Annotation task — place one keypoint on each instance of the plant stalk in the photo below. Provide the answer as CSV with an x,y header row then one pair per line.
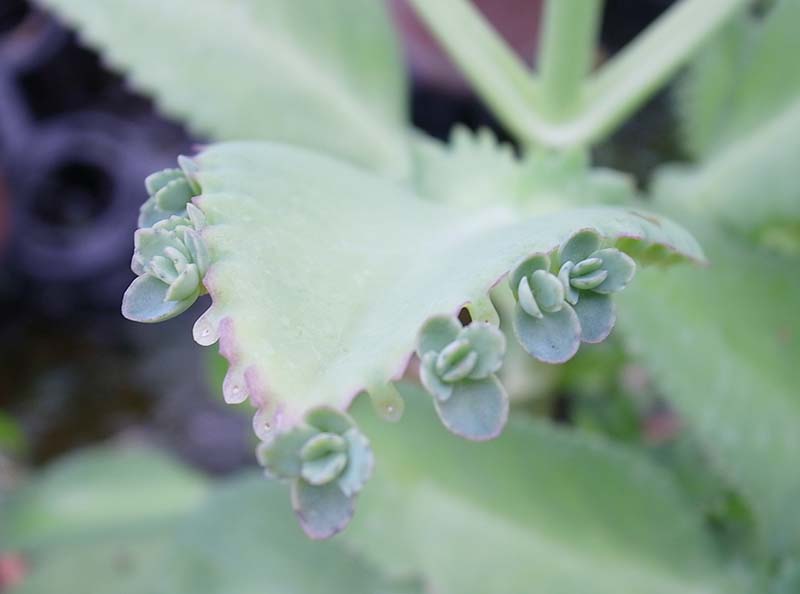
x,y
566,53
609,96
496,73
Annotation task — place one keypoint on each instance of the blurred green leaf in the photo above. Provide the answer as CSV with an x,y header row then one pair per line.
x,y
131,522
325,75
332,297
747,74
752,186
787,578
705,92
130,565
476,169
12,439
98,492
723,343
539,509
740,108
246,540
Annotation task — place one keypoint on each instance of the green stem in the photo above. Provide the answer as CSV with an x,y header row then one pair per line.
x,y
492,68
566,52
642,68
610,95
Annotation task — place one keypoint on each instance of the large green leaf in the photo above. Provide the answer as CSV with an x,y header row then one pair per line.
x,y
133,564
323,274
751,185
245,540
740,108
98,492
724,344
321,74
131,522
746,75
540,509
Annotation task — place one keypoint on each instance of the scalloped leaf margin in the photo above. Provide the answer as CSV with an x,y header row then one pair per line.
x,y
323,274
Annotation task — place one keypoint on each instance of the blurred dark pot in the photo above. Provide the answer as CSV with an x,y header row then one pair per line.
x,y
28,36
14,120
76,189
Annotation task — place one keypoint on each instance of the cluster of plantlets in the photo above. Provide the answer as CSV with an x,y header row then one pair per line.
x,y
562,296
219,222
170,258
557,310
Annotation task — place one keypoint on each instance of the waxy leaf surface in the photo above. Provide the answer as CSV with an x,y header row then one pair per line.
x,y
323,274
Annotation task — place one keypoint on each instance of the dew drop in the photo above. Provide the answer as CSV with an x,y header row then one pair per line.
x,y
205,329
233,390
262,423
387,402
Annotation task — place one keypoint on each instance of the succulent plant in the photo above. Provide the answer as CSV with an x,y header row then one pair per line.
x,y
457,367
328,460
170,190
170,257
555,312
589,276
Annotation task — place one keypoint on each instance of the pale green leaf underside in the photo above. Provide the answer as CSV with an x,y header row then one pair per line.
x,y
326,273
326,75
727,353
537,510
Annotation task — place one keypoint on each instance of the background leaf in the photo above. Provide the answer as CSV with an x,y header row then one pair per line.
x,y
242,539
129,565
723,343
326,75
744,77
98,492
740,113
257,546
540,509
476,170
325,280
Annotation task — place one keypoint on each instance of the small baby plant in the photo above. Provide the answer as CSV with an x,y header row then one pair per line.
x,y
457,367
328,460
560,305
170,258
335,244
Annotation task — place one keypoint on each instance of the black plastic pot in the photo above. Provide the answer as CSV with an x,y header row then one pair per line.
x,y
76,190
28,36
14,120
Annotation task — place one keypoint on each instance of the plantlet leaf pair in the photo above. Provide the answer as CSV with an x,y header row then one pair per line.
x,y
457,367
328,461
556,311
